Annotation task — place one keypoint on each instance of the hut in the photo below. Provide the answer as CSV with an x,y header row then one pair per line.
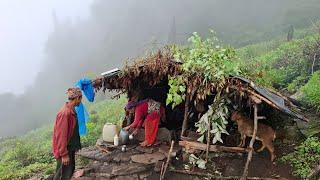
x,y
149,78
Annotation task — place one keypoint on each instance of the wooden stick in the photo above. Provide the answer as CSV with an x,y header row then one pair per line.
x,y
263,98
213,176
168,160
314,59
208,141
191,145
161,171
185,119
245,172
251,92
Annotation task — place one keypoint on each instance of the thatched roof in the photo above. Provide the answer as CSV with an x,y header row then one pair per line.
x,y
154,69
151,70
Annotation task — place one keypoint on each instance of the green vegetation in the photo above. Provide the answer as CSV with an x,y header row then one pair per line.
x,y
306,156
292,66
311,91
288,66
22,157
206,65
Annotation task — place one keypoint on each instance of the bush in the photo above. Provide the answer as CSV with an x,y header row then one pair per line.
x,y
285,67
305,157
296,84
311,91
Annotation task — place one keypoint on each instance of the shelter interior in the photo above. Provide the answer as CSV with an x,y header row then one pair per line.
x,y
175,116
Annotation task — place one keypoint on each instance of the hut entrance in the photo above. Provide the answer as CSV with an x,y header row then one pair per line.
x,y
174,116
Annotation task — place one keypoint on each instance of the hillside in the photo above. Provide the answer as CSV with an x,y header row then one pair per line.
x,y
31,153
290,67
116,30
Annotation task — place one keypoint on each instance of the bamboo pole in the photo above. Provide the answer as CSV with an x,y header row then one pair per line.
x,y
245,172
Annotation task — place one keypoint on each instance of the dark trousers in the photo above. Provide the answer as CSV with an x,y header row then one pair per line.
x,y
65,172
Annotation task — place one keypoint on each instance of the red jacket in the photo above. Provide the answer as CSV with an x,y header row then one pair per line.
x,y
63,130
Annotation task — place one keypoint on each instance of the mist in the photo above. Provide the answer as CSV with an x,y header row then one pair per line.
x,y
117,30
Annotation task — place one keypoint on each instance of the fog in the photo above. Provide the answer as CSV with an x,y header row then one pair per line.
x,y
110,31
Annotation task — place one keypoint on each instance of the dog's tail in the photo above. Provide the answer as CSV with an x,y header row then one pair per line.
x,y
274,136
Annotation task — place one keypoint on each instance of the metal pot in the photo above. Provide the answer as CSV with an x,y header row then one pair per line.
x,y
123,136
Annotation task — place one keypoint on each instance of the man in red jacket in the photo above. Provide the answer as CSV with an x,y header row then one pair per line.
x,y
66,138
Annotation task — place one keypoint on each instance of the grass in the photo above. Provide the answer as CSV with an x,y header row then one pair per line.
x,y
22,157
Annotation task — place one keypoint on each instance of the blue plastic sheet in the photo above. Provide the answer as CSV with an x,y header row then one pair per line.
x,y
83,117
86,86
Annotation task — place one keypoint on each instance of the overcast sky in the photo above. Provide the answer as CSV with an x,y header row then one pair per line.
x,y
24,28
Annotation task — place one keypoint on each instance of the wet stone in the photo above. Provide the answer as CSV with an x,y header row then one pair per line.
x,y
148,150
128,169
163,135
85,178
145,175
131,177
157,167
148,158
164,149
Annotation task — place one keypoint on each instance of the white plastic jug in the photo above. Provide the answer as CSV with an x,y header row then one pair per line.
x,y
109,131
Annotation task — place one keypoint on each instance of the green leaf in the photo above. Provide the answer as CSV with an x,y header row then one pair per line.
x,y
201,138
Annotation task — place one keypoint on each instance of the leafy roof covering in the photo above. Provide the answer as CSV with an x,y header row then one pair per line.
x,y
157,67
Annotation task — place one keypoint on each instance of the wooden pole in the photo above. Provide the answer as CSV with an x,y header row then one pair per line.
x,y
192,145
185,119
208,141
167,162
245,172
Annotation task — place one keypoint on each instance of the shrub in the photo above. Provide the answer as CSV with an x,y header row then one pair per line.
x,y
296,84
285,67
305,157
311,91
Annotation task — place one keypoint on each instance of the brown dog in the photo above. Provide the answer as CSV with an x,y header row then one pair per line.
x,y
264,133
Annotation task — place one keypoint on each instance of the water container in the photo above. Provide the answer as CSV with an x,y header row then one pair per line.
x,y
116,140
109,131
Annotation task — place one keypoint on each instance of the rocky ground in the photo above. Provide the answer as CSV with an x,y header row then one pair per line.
x,y
145,163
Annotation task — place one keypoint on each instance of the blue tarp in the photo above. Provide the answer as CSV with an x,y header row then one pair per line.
x,y
86,86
